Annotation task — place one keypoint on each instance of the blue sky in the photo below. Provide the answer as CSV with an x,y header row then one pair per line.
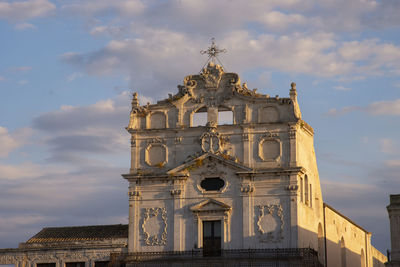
x,y
67,69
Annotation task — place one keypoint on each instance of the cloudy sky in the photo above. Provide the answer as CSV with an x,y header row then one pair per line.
x,y
67,69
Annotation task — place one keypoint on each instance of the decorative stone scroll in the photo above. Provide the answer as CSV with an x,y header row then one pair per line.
x,y
154,226
210,140
270,223
212,75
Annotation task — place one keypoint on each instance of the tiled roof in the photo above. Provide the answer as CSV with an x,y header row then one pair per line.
x,y
80,233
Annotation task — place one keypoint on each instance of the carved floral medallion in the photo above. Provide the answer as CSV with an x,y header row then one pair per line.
x,y
270,223
154,226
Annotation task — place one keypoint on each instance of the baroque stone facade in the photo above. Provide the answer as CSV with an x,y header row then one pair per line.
x,y
246,180
253,178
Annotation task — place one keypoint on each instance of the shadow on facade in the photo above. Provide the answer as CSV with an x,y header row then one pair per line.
x,y
323,252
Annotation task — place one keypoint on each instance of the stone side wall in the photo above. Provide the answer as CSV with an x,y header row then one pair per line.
x,y
349,243
378,259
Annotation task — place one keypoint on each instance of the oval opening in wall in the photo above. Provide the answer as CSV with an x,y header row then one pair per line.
x,y
212,184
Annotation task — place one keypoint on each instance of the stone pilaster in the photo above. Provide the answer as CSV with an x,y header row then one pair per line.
x,y
212,114
133,232
293,145
247,190
178,233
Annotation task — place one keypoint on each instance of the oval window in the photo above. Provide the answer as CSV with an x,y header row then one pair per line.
x,y
212,184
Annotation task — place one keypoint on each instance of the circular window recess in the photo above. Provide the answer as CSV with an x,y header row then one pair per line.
x,y
212,184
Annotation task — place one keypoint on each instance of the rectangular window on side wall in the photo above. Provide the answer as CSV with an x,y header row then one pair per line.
x,y
301,190
306,193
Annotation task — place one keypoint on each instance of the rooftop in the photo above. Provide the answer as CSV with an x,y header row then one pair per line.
x,y
80,233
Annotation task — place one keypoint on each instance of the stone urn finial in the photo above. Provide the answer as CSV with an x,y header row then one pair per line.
x,y
135,101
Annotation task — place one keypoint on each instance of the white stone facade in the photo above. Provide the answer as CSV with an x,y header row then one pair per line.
x,y
270,195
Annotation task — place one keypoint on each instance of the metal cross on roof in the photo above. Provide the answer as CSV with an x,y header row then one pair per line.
x,y
213,52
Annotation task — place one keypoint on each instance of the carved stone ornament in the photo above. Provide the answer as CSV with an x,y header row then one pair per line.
x,y
292,131
156,155
212,75
270,223
134,194
178,139
247,188
155,140
269,134
210,141
292,187
269,149
152,218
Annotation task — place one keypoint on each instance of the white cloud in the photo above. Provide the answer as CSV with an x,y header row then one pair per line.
x,y
77,134
385,108
278,21
25,26
10,142
101,7
391,107
341,88
379,56
111,30
24,10
22,82
74,76
388,146
20,69
341,111
393,163
26,170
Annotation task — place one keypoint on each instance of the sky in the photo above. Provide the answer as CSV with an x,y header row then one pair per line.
x,y
68,68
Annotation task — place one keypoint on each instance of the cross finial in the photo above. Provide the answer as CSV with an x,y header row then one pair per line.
x,y
213,52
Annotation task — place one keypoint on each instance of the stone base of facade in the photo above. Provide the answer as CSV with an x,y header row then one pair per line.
x,y
392,264
249,257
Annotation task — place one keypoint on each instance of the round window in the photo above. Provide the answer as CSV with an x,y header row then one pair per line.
x,y
212,184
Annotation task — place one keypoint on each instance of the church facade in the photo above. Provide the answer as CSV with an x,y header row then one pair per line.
x,y
219,174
